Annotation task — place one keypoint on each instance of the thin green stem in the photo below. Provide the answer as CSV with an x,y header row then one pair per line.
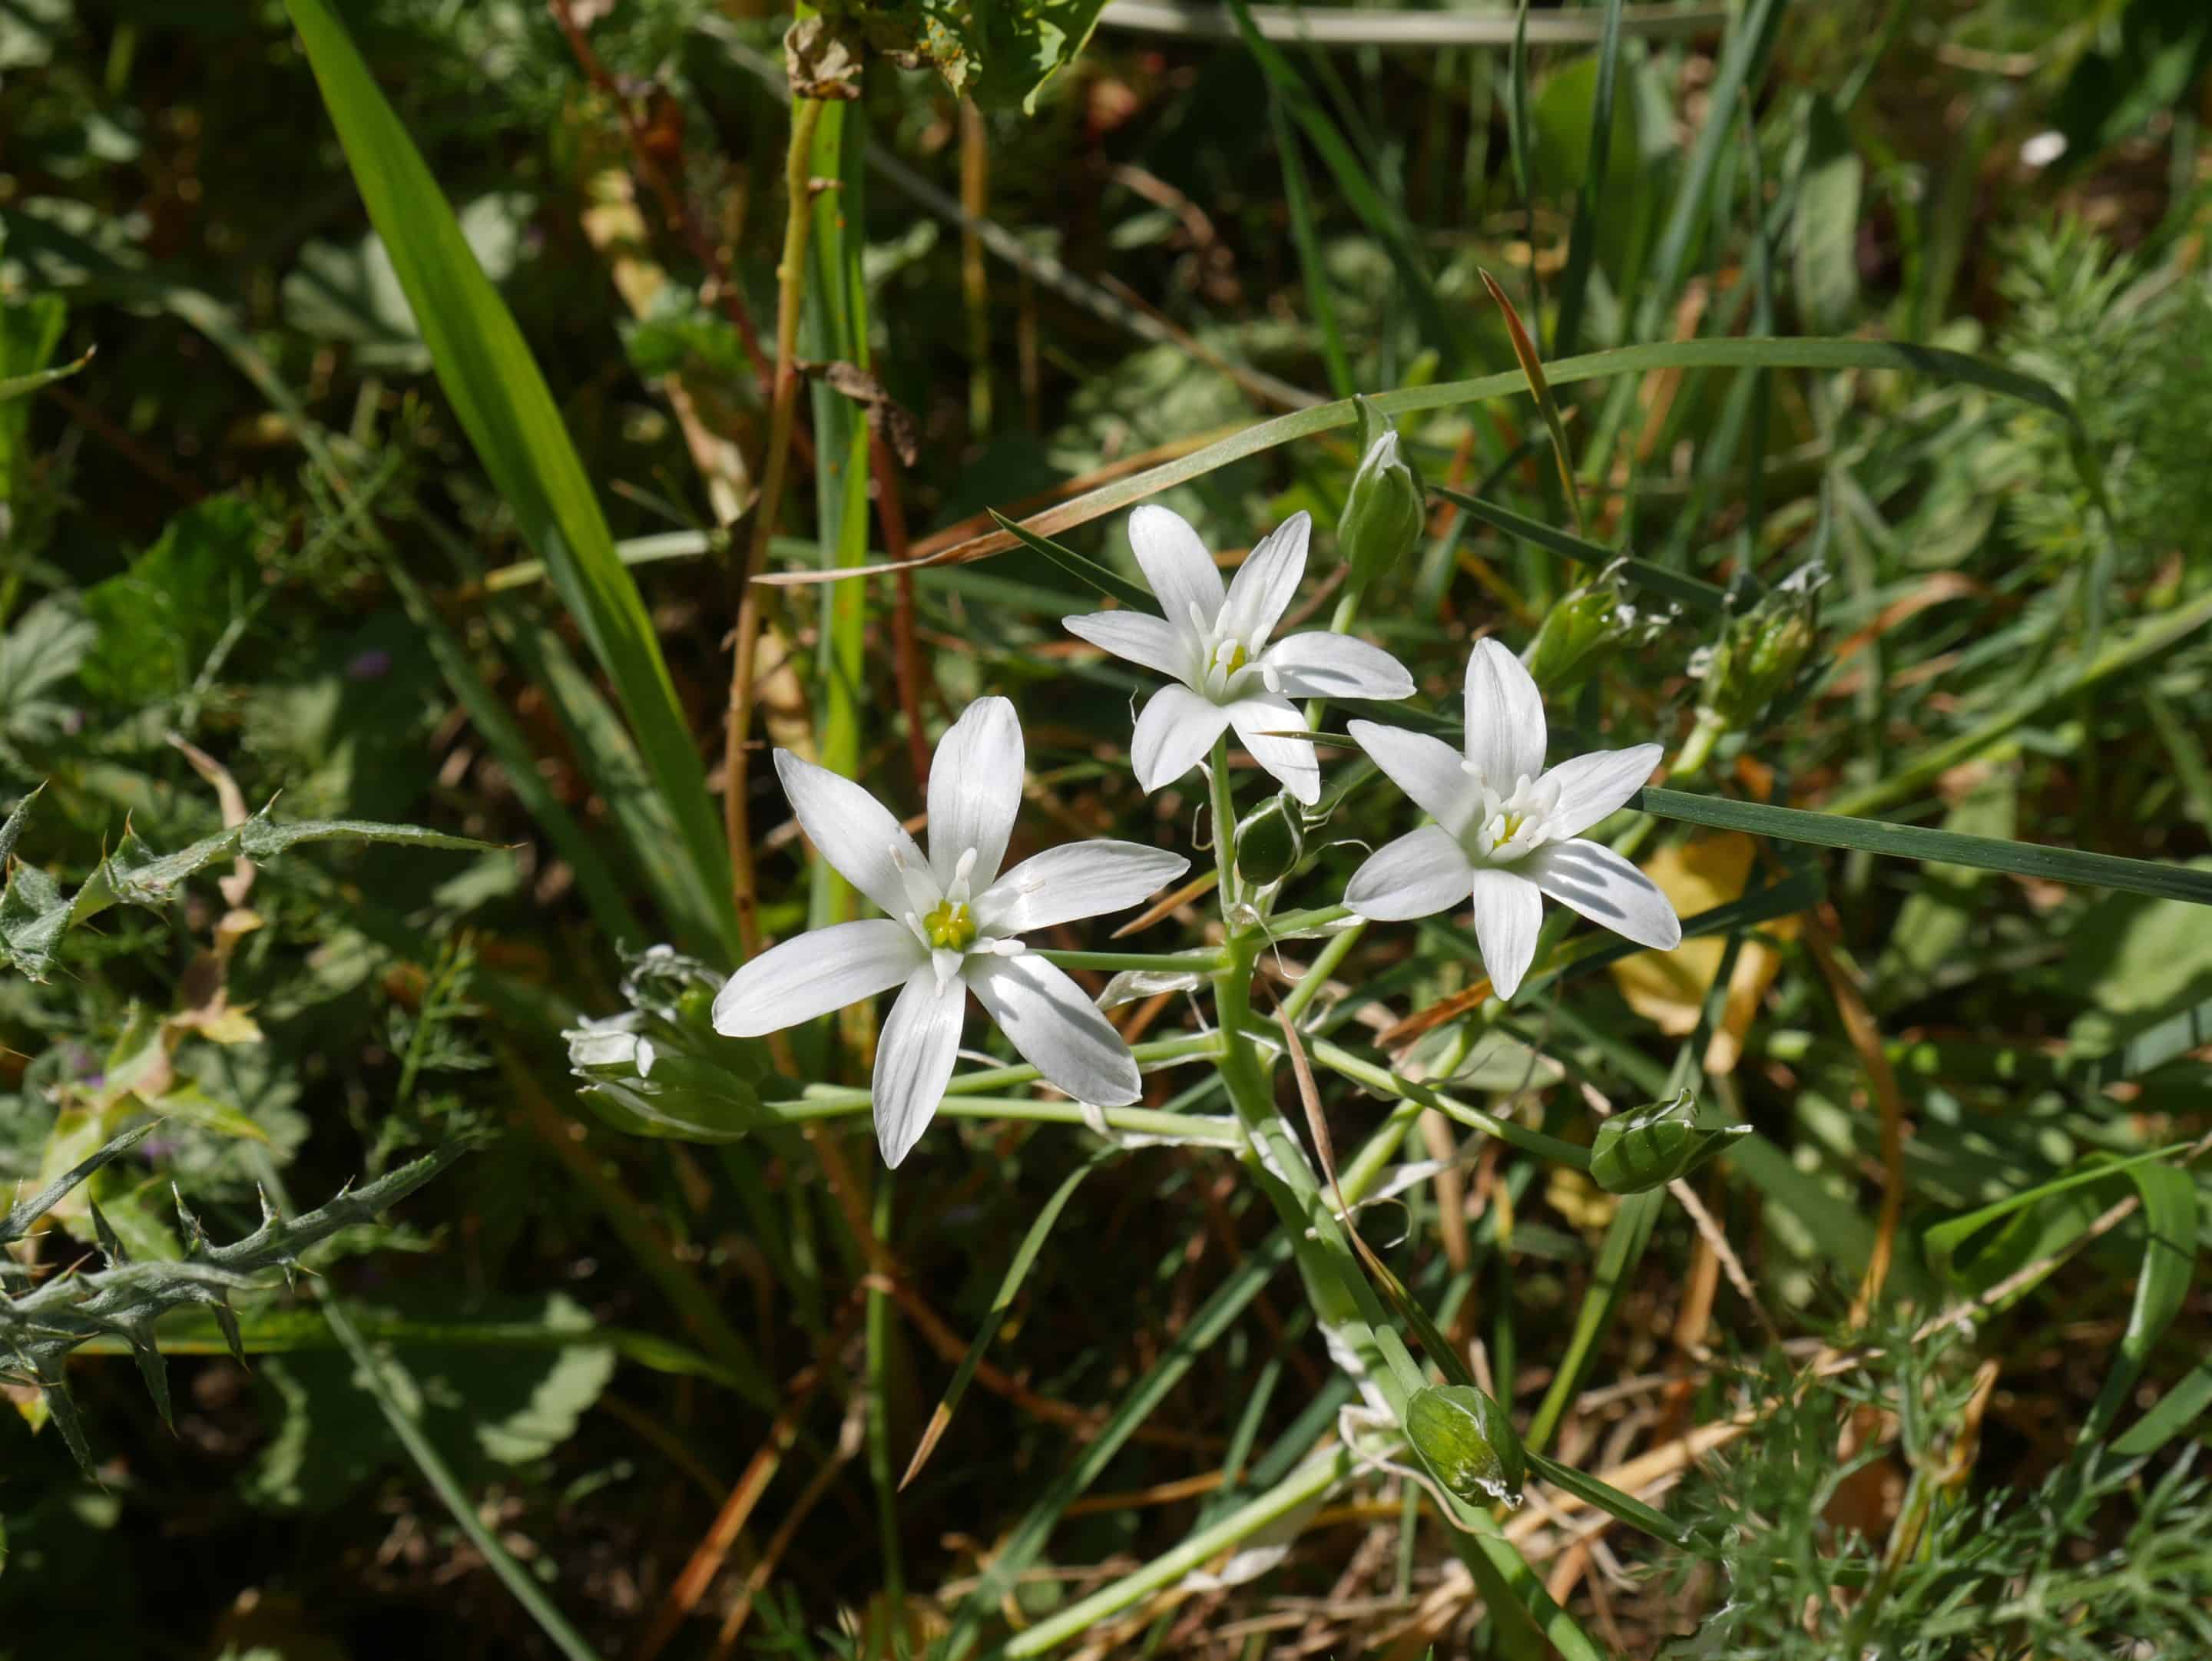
x,y
1136,1121
1307,1483
1320,917
1224,830
1381,1080
1147,963
817,1099
1323,966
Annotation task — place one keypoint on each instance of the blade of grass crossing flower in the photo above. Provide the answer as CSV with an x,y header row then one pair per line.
x,y
503,403
1581,238
1262,436
1010,1286
1692,592
2169,1201
1532,366
1298,201
1918,842
1111,584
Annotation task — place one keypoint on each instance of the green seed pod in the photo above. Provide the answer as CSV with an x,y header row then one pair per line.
x,y
1383,512
1270,842
1466,1438
1648,1147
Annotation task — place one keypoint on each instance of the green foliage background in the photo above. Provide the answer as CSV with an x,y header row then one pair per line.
x,y
444,599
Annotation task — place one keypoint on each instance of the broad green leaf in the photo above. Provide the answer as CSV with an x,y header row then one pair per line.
x,y
509,413
2169,1261
1945,1240
482,1407
157,622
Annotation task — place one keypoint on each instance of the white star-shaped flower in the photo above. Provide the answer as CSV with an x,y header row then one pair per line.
x,y
1507,832
951,930
1214,644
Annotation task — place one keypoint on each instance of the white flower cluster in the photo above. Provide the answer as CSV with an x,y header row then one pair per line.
x,y
1507,832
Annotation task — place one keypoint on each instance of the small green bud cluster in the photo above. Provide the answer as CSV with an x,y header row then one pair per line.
x,y
1466,1438
1650,1147
1384,510
1589,623
1762,651
660,1069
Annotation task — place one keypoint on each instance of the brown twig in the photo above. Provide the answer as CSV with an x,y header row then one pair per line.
x,y
892,514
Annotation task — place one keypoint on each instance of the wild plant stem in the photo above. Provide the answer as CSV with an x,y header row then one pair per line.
x,y
790,293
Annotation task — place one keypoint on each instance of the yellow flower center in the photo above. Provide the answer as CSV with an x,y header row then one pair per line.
x,y
949,926
1236,659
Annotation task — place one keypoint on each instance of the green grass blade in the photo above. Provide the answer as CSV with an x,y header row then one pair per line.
x,y
1384,221
1692,592
2169,1204
21,386
1727,353
1994,853
1010,1286
1299,204
1111,584
1581,238
2178,1410
503,403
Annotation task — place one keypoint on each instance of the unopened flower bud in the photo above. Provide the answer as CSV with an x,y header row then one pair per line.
x,y
1466,1438
1651,1146
1574,633
1383,512
659,1068
1270,842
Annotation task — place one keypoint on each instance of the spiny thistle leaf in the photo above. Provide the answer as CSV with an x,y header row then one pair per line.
x,y
35,912
39,1327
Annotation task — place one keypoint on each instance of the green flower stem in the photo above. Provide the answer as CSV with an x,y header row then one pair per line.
x,y
1224,830
1383,1081
1360,1333
1307,1483
1149,962
1324,965
1339,622
1136,1121
827,1100
1321,917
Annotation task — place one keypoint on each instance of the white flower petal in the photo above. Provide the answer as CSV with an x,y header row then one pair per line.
x,y
811,975
855,832
974,787
1591,787
1177,565
1505,735
1291,760
913,1059
1045,1015
1080,879
1592,879
1173,731
1319,665
1418,875
1261,590
1508,909
1426,768
1139,637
